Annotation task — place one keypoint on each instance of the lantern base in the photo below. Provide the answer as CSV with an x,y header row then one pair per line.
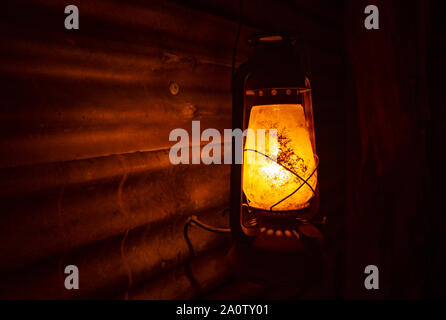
x,y
257,222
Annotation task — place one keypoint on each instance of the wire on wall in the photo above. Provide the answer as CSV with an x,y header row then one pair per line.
x,y
194,220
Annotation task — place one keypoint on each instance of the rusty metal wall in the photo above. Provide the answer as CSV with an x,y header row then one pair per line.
x,y
85,177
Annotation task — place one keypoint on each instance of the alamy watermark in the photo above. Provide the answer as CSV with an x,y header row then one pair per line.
x,y
372,280
72,280
265,145
372,20
72,20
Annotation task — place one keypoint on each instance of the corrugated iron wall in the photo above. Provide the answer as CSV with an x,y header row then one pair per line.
x,y
86,116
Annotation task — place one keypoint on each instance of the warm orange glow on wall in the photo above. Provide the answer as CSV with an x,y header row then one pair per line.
x,y
267,183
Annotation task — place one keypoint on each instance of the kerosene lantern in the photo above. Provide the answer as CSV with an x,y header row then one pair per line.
x,y
274,193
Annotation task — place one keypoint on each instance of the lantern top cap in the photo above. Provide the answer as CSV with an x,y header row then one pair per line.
x,y
270,39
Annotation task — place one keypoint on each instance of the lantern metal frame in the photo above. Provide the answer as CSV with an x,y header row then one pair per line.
x,y
274,81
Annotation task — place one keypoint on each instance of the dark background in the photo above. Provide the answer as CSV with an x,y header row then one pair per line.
x,y
85,177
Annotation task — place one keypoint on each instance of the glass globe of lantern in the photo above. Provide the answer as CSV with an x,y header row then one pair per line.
x,y
279,174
